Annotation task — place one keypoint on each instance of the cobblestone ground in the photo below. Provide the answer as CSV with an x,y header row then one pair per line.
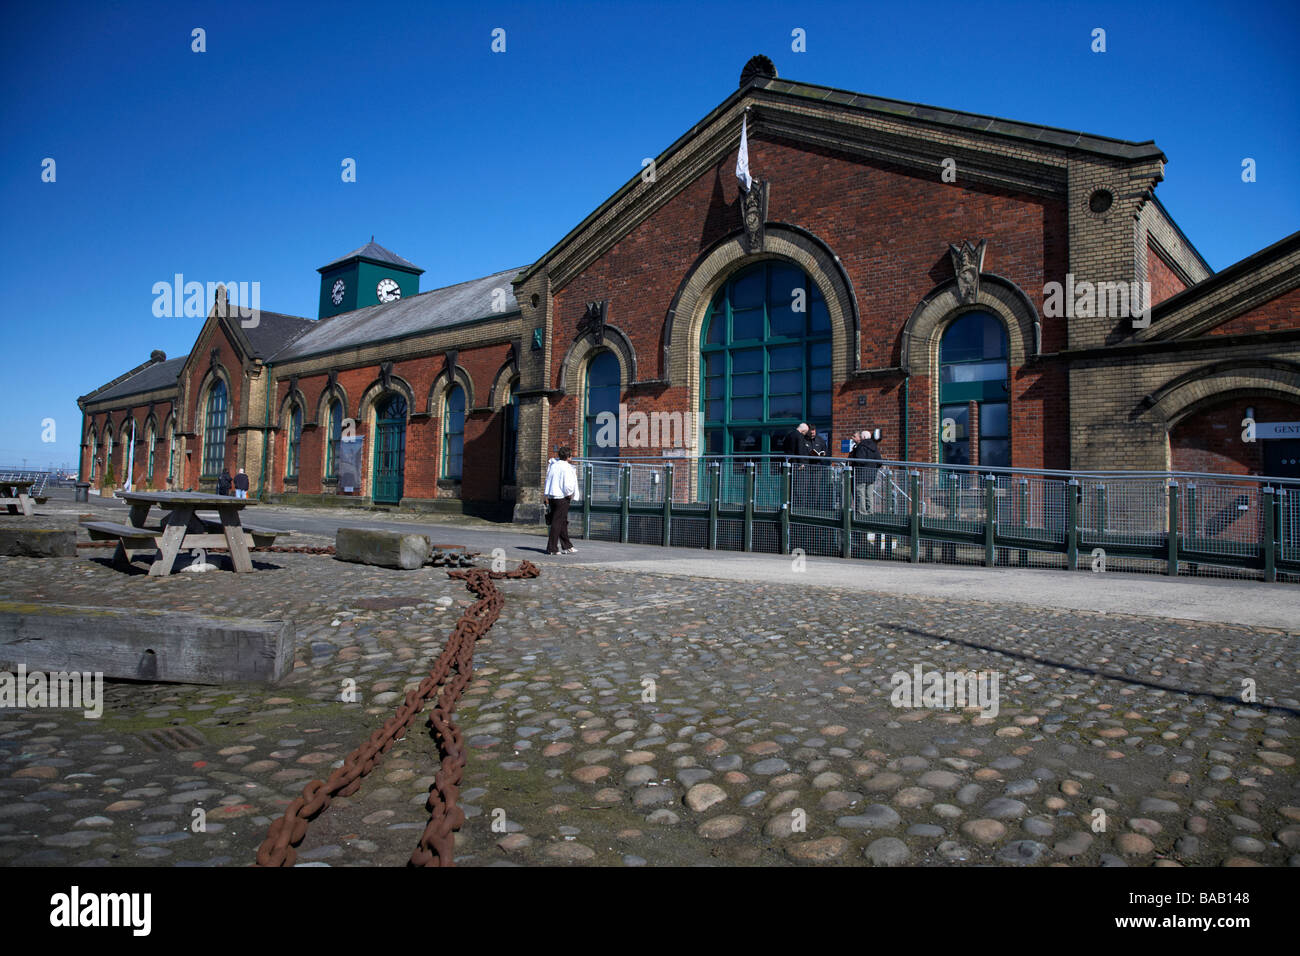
x,y
771,738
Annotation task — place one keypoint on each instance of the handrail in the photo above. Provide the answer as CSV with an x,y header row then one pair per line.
x,y
649,460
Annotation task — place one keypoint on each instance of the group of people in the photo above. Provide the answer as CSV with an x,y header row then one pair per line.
x,y
803,442
562,488
238,484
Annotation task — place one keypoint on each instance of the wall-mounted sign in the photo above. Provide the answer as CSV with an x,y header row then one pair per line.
x,y
351,463
1271,430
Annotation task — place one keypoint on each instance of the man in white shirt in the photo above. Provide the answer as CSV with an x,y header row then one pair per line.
x,y
561,489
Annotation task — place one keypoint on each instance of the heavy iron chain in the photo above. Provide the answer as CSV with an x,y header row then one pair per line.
x,y
439,559
436,845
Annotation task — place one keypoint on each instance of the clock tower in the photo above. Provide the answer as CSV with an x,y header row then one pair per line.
x,y
370,275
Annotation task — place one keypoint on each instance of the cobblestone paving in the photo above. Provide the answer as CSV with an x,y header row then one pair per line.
x,y
770,738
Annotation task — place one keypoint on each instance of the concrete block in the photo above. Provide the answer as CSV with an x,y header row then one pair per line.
x,y
385,549
18,542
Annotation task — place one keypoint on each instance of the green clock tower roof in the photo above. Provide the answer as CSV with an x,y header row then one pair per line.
x,y
374,252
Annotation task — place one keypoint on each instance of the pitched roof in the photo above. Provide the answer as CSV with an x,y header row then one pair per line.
x,y
775,89
273,332
978,122
153,376
470,301
376,253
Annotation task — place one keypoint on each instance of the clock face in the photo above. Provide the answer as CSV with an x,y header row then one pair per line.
x,y
337,294
388,290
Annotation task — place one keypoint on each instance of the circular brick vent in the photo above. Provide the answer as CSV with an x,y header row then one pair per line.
x,y
1101,200
758,67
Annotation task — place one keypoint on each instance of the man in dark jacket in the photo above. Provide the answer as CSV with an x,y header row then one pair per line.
x,y
223,482
866,465
816,443
796,442
241,484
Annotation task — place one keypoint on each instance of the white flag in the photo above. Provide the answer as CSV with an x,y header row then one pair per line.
x,y
742,160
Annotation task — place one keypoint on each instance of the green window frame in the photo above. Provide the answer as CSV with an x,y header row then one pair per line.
x,y
510,435
974,366
335,414
453,435
604,391
295,442
765,360
214,430
152,442
94,450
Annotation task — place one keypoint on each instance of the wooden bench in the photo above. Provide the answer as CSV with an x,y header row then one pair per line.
x,y
132,542
262,537
14,497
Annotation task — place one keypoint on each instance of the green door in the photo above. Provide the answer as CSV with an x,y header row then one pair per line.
x,y
390,450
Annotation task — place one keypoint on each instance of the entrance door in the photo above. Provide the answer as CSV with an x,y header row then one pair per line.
x,y
1282,457
390,450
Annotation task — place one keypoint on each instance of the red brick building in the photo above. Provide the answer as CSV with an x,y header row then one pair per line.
x,y
975,287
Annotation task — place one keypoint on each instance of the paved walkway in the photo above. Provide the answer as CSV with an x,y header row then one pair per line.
x,y
621,714
1227,601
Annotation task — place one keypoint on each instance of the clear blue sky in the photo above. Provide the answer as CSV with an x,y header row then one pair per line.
x,y
225,164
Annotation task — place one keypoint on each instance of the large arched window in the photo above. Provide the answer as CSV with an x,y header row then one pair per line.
x,y
214,431
94,450
152,442
108,452
335,436
510,435
600,431
295,441
453,434
766,360
973,368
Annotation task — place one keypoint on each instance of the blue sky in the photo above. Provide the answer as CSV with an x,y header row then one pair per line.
x,y
226,164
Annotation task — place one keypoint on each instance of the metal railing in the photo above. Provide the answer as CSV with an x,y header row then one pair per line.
x,y
1166,522
41,479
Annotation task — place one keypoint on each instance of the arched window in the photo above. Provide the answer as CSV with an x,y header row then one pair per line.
x,y
214,431
453,434
151,441
601,424
171,451
766,360
108,452
295,441
510,435
973,368
94,450
335,436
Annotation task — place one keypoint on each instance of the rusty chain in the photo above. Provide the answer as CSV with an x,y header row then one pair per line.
x,y
436,844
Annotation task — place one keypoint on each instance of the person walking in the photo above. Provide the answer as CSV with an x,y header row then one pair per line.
x,y
866,459
241,484
223,483
560,490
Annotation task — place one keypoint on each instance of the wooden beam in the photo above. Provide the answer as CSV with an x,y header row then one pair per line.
x,y
163,646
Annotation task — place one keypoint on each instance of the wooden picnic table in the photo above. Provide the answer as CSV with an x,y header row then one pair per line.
x,y
183,530
14,497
